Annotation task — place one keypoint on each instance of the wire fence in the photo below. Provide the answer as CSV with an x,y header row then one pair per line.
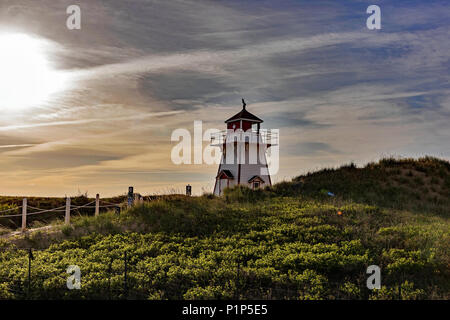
x,y
58,209
32,282
123,277
8,215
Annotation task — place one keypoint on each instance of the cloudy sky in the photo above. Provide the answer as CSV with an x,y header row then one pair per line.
x,y
114,91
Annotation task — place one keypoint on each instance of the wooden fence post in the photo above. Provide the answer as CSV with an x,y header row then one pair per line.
x,y
130,196
30,257
125,279
24,214
97,205
67,217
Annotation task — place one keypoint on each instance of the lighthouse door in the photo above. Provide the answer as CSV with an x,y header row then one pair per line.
x,y
223,183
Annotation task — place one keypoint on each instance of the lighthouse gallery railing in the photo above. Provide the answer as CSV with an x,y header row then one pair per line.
x,y
269,137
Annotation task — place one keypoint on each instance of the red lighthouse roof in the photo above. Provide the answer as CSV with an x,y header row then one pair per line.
x,y
244,115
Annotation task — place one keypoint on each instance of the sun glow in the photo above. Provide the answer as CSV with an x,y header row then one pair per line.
x,y
26,77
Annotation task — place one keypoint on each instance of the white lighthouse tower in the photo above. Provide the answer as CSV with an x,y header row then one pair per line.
x,y
244,146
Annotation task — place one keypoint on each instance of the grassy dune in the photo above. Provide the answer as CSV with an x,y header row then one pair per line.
x,y
292,241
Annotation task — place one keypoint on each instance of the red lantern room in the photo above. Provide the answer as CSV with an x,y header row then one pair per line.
x,y
244,120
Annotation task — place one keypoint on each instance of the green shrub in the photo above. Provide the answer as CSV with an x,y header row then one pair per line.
x,y
243,194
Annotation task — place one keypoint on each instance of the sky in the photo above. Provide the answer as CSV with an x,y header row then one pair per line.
x,y
115,90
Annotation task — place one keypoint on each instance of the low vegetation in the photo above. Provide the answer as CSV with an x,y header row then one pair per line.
x,y
311,238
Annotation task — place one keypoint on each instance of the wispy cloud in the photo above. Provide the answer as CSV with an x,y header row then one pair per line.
x,y
210,60
86,121
15,146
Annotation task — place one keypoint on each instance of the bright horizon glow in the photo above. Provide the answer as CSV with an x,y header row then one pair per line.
x,y
26,77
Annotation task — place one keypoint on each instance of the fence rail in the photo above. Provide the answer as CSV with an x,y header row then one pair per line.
x,y
28,210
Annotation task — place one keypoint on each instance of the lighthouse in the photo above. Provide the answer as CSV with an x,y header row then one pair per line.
x,y
244,146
